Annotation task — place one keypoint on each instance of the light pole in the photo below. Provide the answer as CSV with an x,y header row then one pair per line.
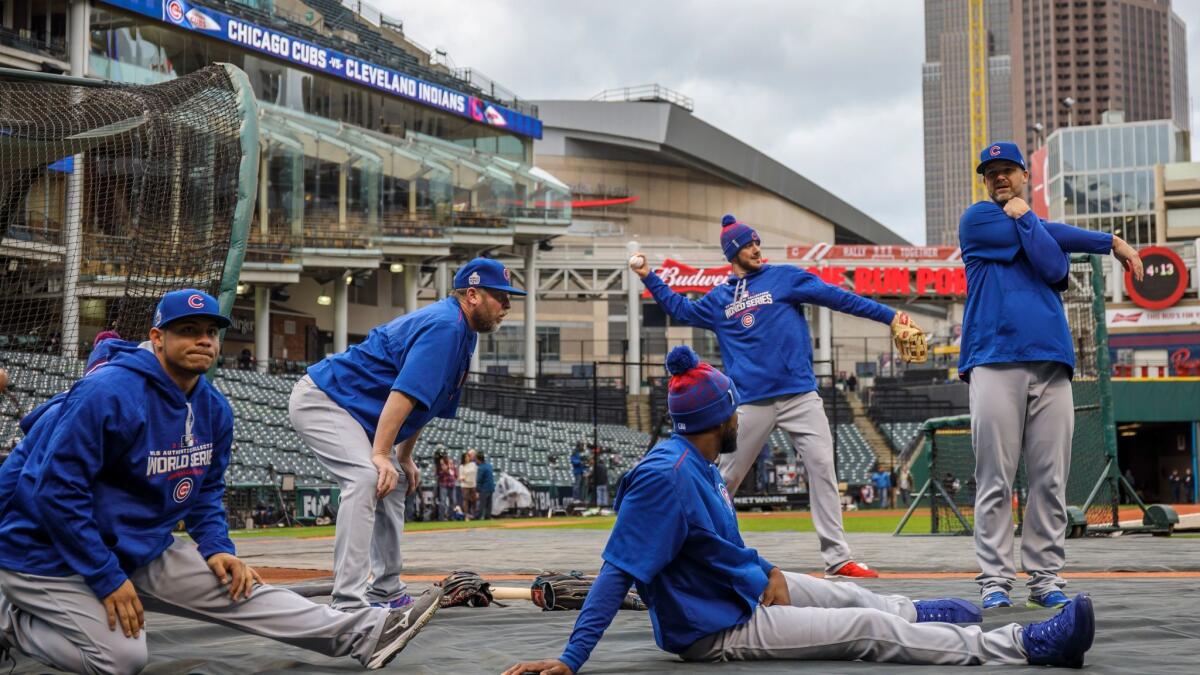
x,y
1070,105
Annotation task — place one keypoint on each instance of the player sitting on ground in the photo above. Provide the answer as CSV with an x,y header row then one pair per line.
x,y
712,598
759,321
109,468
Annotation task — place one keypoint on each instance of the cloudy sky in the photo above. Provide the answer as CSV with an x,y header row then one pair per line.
x,y
831,89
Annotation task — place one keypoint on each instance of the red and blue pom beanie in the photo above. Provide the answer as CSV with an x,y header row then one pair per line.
x,y
699,396
735,236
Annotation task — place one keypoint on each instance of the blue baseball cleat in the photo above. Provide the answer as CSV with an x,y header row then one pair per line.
x,y
1062,640
1051,600
996,599
947,610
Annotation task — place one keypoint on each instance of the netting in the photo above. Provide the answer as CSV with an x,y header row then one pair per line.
x,y
110,196
1091,481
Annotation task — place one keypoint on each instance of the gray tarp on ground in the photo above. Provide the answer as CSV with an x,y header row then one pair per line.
x,y
1143,625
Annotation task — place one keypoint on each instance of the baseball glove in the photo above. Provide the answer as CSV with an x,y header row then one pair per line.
x,y
909,339
556,592
466,589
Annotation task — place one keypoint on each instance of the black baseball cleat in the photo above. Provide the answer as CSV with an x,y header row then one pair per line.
x,y
402,625
1062,640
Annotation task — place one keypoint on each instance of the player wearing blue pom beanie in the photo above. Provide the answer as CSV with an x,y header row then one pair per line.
x,y
712,598
758,317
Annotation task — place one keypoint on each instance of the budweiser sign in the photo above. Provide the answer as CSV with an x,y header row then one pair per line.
x,y
901,282
1179,315
683,278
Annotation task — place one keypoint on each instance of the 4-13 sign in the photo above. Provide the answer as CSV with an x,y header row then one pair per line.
x,y
1165,280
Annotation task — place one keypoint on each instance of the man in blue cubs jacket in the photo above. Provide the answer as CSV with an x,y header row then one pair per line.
x,y
1018,358
765,345
352,408
107,470
712,598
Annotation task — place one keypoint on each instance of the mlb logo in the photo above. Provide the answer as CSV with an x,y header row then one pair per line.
x,y
507,276
473,279
994,151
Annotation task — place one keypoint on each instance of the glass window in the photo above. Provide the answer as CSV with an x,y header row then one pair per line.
x,y
1164,141
1068,152
1142,143
1145,190
1102,149
1090,162
1054,156
1128,151
1070,196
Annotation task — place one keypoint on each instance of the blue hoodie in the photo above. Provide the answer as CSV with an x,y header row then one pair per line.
x,y
759,321
1015,270
110,468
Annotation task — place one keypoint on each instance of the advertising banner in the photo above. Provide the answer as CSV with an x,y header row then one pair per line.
x,y
247,34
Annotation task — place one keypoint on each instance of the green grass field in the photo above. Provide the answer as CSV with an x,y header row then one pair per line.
x,y
884,522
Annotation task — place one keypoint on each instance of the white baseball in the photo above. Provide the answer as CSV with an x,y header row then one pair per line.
x,y
636,261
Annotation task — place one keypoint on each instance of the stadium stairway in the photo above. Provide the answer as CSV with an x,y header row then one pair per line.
x,y
866,426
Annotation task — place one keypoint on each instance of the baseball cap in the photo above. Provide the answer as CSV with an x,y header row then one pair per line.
x,y
1001,150
485,273
188,302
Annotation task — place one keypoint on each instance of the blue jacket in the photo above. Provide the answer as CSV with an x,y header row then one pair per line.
x,y
577,467
1016,269
766,348
108,470
485,478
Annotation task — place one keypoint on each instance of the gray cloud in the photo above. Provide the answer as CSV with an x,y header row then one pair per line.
x,y
832,89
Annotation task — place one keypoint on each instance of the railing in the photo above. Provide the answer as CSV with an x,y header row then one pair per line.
x,y
20,40
647,92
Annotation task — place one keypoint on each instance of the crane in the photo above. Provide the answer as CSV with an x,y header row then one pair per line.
x,y
977,67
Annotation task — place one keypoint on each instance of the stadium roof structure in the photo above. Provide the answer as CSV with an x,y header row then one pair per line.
x,y
659,131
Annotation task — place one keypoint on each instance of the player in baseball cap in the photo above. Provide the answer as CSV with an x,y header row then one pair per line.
x,y
1017,349
103,476
712,598
353,408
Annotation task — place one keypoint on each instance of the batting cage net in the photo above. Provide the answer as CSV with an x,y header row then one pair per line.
x,y
111,195
1092,481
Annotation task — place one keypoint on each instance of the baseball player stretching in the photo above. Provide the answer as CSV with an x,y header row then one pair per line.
x,y
105,472
1018,359
351,408
759,321
711,598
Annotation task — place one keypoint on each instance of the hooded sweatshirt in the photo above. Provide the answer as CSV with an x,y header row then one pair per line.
x,y
759,321
110,468
1016,269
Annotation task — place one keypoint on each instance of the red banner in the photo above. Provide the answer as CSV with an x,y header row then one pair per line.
x,y
1039,199
867,252
945,282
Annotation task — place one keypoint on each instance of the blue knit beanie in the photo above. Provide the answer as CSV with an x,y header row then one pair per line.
x,y
735,236
699,396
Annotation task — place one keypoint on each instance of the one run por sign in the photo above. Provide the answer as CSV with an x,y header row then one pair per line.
x,y
1165,281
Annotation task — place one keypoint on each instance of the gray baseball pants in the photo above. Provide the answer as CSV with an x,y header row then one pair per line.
x,y
843,621
802,416
1021,409
61,623
366,548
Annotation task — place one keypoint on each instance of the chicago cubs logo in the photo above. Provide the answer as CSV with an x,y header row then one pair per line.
x,y
175,11
183,490
196,301
473,279
747,320
994,151
725,495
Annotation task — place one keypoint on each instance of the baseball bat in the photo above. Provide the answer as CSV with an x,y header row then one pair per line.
x,y
512,593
